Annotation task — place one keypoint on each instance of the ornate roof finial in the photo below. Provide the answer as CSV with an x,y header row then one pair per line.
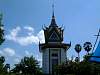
x,y
53,22
53,10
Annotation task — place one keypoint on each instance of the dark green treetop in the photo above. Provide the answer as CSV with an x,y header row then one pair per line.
x,y
1,30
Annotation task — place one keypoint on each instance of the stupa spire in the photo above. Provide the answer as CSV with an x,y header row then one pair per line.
x,y
53,21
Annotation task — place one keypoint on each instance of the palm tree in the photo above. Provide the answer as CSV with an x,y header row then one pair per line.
x,y
87,46
78,48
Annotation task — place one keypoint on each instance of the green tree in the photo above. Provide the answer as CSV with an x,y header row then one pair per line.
x,y
87,46
1,31
2,66
78,49
2,60
27,66
78,68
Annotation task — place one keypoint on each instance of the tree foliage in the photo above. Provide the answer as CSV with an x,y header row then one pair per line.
x,y
27,66
1,31
78,68
2,60
3,68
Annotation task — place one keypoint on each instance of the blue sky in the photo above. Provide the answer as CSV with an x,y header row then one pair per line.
x,y
23,20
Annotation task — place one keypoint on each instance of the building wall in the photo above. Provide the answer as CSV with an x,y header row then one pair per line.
x,y
63,55
45,59
61,58
53,51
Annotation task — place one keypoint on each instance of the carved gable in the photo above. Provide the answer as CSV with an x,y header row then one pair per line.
x,y
54,36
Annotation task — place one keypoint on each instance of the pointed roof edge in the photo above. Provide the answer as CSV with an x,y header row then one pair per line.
x,y
96,54
96,40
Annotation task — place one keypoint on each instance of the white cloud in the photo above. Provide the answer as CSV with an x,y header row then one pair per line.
x,y
39,58
40,35
17,60
25,40
28,40
13,34
27,53
7,52
29,28
1,52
